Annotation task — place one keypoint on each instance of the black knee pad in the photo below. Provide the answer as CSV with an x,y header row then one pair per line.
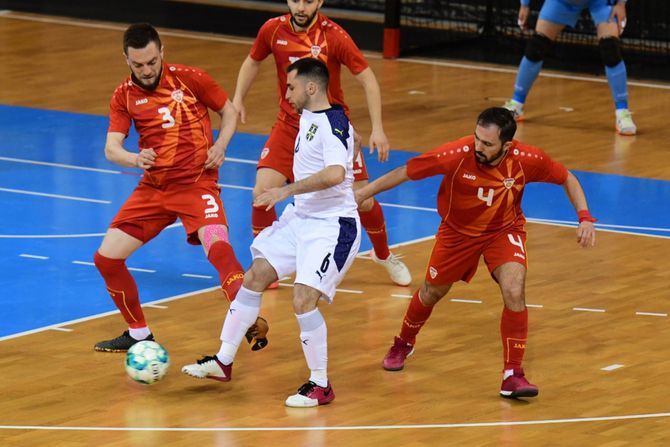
x,y
538,47
610,51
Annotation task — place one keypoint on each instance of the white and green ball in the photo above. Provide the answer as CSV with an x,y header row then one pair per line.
x,y
147,362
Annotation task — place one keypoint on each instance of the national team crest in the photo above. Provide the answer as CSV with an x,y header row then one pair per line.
x,y
316,50
178,95
508,183
312,131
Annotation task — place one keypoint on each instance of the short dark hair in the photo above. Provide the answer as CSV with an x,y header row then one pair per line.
x,y
139,35
313,69
502,118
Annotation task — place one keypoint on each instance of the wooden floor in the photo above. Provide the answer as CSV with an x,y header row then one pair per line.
x,y
447,394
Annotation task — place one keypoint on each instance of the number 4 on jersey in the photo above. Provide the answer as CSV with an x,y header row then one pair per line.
x,y
488,198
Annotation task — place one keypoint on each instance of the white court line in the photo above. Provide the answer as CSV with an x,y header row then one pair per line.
x,y
612,367
24,255
83,263
156,306
588,309
371,55
192,275
459,300
397,295
66,236
652,314
59,165
104,314
225,185
136,269
538,306
61,329
337,290
343,427
54,196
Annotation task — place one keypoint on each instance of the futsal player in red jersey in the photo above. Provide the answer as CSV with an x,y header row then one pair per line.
x,y
479,201
303,32
168,103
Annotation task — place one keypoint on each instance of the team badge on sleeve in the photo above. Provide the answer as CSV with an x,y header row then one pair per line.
x,y
508,183
312,131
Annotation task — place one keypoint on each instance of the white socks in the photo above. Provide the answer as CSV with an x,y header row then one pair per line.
x,y
241,315
314,341
139,333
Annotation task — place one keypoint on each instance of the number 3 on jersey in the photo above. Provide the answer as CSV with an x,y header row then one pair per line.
x,y
167,117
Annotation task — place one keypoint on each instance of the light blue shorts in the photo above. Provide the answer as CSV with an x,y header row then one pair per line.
x,y
566,12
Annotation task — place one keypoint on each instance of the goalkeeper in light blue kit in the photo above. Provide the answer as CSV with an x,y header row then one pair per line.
x,y
610,19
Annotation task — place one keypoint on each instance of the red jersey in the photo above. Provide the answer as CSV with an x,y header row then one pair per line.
x,y
172,120
324,40
476,199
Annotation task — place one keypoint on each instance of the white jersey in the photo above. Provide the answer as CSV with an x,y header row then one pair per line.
x,y
325,139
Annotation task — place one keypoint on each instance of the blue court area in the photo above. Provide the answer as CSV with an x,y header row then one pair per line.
x,y
58,194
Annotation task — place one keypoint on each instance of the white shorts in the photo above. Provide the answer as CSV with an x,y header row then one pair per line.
x,y
320,250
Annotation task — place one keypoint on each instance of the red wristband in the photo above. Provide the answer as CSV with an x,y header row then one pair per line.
x,y
584,215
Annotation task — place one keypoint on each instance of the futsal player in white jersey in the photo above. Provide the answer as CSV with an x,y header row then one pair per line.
x,y
317,237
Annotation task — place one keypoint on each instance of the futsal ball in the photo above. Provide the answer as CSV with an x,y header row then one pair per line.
x,y
147,362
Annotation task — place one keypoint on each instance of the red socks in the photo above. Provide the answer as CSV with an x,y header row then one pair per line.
x,y
261,219
514,333
415,317
122,288
375,226
231,274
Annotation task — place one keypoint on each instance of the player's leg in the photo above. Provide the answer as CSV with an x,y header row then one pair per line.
x,y
274,169
243,313
554,16
325,252
615,68
506,259
450,261
273,256
372,219
128,231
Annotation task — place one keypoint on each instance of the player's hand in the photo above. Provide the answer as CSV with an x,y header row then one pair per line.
x,y
586,234
241,111
215,156
522,20
146,158
619,14
379,141
270,197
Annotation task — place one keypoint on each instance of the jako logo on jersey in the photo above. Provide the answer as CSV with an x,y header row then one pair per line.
x,y
178,95
433,272
282,42
139,102
265,152
311,132
508,182
316,50
469,176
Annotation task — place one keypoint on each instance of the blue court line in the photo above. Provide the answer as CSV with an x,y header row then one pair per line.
x,y
68,149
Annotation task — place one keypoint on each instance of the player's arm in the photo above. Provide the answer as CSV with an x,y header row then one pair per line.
x,y
524,10
326,178
619,14
385,182
374,99
245,78
586,233
116,153
217,153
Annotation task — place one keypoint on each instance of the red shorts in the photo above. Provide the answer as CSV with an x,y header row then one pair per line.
x,y
150,209
278,152
455,256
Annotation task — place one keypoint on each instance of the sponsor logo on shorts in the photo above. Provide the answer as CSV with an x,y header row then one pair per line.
x,y
139,102
508,183
469,176
433,272
316,50
178,95
519,255
265,152
211,215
